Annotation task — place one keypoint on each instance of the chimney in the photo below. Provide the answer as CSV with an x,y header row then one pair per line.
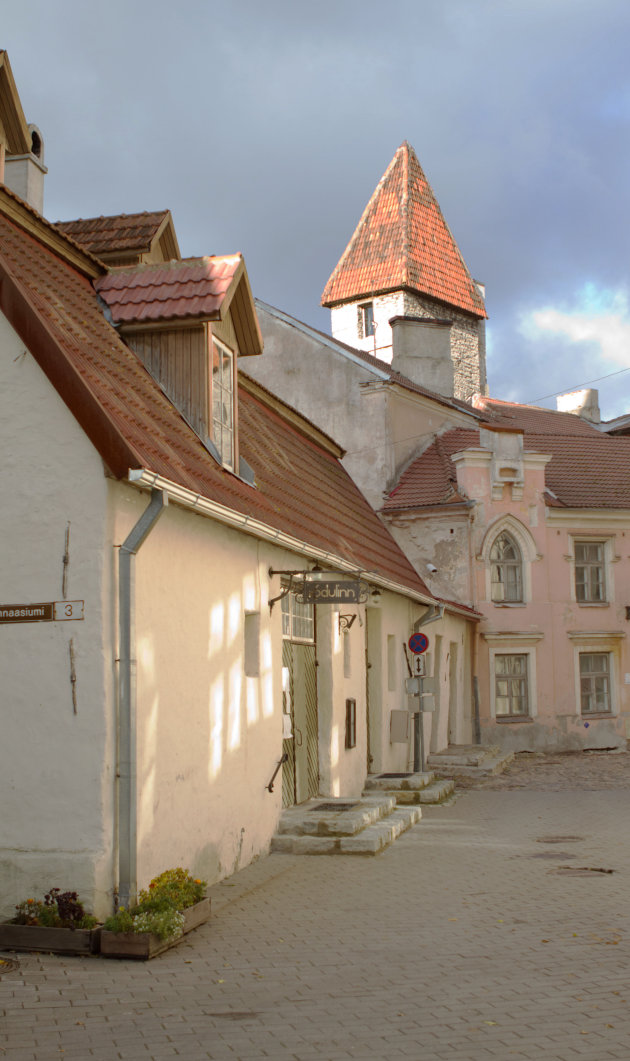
x,y
422,352
583,403
24,174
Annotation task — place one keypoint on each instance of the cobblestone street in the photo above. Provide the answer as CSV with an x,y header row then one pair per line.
x,y
493,929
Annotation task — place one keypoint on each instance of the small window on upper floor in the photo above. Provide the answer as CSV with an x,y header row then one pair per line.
x,y
222,404
366,320
590,572
506,570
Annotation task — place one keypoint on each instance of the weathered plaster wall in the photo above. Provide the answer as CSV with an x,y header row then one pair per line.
x,y
209,737
56,764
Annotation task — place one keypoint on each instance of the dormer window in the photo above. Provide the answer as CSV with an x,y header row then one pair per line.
x,y
366,320
222,403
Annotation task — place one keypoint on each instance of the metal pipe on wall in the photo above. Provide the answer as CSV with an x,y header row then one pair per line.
x,y
126,766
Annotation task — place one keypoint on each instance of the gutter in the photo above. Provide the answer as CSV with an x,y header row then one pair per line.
x,y
127,763
149,480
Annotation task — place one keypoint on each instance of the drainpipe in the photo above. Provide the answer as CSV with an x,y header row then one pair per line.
x,y
472,574
126,772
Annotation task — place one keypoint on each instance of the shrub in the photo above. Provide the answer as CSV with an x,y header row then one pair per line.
x,y
58,910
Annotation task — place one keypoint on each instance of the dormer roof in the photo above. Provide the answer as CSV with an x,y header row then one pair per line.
x,y
402,242
185,291
14,130
126,238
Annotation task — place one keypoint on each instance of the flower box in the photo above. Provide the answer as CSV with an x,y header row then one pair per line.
x,y
50,940
143,945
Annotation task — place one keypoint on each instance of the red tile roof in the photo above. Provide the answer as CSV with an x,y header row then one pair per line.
x,y
192,288
534,418
119,232
302,489
403,241
587,469
431,479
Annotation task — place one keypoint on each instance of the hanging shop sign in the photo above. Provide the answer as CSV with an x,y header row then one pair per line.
x,y
51,611
331,591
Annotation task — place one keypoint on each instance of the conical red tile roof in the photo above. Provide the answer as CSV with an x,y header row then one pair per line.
x,y
403,241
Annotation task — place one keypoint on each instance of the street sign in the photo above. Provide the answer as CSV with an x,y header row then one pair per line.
x,y
51,611
419,666
418,643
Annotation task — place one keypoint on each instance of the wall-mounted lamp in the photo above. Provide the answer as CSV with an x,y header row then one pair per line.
x,y
375,597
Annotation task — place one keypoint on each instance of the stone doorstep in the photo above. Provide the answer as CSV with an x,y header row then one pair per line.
x,y
304,821
488,767
436,792
392,785
370,841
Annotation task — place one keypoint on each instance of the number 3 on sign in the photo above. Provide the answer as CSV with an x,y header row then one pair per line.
x,y
68,609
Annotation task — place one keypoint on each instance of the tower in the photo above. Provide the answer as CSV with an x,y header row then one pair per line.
x,y
401,289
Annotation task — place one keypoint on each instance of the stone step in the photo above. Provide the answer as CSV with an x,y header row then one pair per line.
x,y
434,792
491,763
323,818
369,841
398,782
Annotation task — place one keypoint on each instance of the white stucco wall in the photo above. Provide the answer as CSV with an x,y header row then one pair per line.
x,y
56,766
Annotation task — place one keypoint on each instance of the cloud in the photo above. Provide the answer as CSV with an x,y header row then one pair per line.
x,y
598,316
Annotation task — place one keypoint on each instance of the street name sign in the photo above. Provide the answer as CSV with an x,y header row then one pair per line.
x,y
51,611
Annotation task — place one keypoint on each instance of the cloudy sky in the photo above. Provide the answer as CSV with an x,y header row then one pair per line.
x,y
264,126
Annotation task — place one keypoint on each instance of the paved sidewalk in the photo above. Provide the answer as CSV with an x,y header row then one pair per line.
x,y
465,940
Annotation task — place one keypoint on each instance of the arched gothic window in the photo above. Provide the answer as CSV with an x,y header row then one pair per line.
x,y
506,570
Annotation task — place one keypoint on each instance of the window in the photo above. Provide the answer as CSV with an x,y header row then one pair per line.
x,y
511,695
351,724
223,403
298,620
590,580
595,683
506,579
366,320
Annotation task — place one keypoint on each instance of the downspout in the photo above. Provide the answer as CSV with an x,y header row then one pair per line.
x,y
126,770
475,645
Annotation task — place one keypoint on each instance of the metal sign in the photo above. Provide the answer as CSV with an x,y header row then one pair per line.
x,y
419,666
51,611
332,591
418,643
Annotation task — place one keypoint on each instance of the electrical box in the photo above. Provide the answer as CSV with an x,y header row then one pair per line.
x,y
399,727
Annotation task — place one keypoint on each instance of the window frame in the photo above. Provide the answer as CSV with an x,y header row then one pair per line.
x,y
588,565
511,677
513,644
230,461
605,673
292,615
367,324
505,566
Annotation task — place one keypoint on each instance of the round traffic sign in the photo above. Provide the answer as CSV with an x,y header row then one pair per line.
x,y
418,643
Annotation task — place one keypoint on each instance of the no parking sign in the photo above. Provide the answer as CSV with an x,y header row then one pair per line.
x,y
418,643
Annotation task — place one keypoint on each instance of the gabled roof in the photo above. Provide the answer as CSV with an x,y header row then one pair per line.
x,y
12,117
587,469
123,236
403,242
188,290
302,490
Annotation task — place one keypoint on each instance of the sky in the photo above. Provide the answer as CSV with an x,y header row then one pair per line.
x,y
265,125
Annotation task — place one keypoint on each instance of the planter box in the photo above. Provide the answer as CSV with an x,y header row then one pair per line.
x,y
51,940
143,945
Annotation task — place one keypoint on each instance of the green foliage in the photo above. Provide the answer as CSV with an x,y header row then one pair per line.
x,y
58,910
175,887
161,905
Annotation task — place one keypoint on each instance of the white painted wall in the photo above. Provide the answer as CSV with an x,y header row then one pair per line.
x,y
56,767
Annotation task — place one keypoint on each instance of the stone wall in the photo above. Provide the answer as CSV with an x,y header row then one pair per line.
x,y
468,335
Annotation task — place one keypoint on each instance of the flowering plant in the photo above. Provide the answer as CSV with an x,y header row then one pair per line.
x,y
160,908
58,910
